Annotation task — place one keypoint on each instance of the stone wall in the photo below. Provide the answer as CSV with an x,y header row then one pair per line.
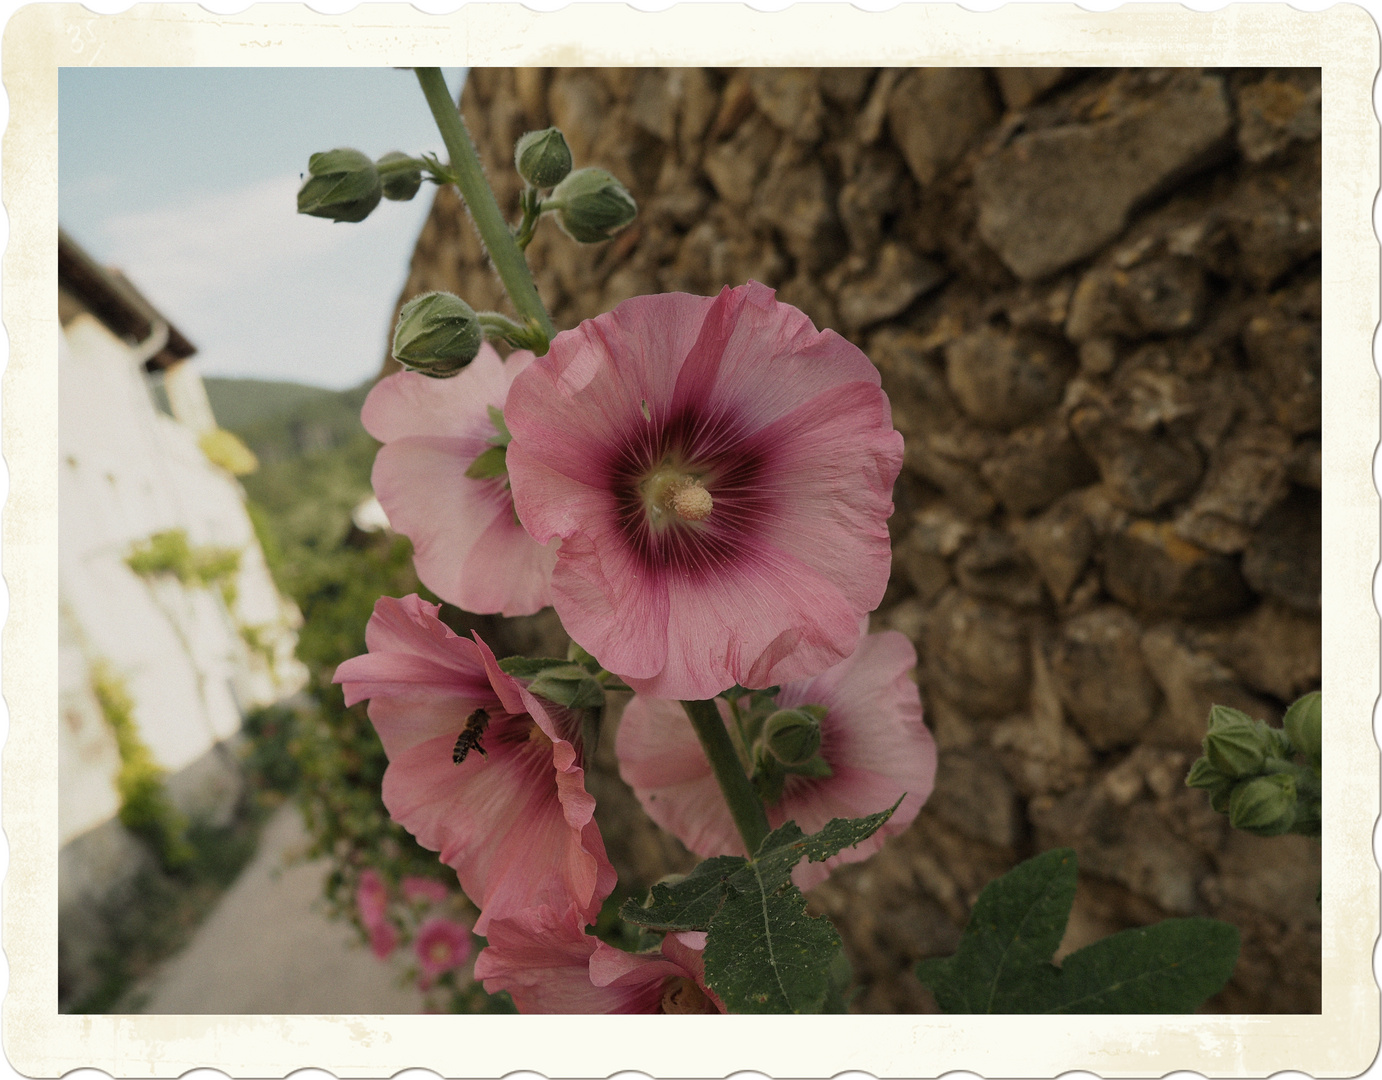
x,y
1094,297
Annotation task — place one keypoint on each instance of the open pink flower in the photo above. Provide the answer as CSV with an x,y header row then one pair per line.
x,y
872,738
372,902
440,945
549,964
513,819
720,476
424,889
383,939
467,547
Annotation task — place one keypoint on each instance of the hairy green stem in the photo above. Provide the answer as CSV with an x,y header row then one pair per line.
x,y
744,804
484,211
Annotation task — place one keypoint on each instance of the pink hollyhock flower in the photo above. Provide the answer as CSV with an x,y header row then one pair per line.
x,y
467,546
371,897
872,737
549,964
720,476
513,818
383,939
441,944
423,889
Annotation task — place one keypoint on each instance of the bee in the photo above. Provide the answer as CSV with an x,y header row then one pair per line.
x,y
469,738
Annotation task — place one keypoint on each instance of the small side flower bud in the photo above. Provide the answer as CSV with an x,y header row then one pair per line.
x,y
1264,806
344,185
794,735
1239,748
542,158
1302,724
400,176
437,335
592,205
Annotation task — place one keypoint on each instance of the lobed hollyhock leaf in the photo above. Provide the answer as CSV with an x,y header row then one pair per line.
x,y
764,953
1003,964
529,667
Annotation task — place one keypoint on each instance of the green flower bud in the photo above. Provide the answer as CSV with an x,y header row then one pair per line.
x,y
400,175
592,205
1204,775
437,335
1238,748
1264,806
793,736
344,186
542,158
1302,724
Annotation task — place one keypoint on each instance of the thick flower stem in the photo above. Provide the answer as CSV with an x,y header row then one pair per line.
x,y
484,211
744,805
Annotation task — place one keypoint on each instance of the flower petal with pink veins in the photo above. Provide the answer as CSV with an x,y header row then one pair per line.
x,y
778,446
549,964
467,547
513,818
872,737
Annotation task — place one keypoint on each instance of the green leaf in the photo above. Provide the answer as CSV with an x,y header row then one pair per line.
x,y
1003,964
529,667
496,417
764,953
689,904
1004,954
1169,967
569,685
491,463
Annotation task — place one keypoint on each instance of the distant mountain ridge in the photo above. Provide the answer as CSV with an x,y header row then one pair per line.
x,y
280,421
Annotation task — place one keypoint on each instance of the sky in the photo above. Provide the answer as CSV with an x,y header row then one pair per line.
x,y
186,179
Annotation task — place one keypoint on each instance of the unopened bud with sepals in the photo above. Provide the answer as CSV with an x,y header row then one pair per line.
x,y
1236,744
793,736
344,185
591,205
438,334
1264,806
1303,727
400,175
542,158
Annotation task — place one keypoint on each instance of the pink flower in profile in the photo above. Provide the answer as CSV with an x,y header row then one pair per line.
x,y
513,818
720,477
424,890
549,964
467,546
441,944
872,737
372,901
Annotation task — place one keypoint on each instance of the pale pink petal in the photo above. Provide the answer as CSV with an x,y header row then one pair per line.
x,y
873,738
421,678
467,547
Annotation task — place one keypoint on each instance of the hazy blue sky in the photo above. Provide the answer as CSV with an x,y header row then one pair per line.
x,y
186,179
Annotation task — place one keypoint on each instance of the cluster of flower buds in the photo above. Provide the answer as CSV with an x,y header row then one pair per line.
x,y
346,185
591,204
1266,779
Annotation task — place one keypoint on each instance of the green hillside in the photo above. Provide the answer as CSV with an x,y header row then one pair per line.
x,y
239,403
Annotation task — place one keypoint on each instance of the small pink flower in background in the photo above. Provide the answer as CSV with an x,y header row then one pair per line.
x,y
371,897
720,477
424,890
872,738
513,819
549,964
441,944
383,939
467,547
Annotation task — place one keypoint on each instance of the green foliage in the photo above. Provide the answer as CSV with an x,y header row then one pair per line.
x,y
764,953
1003,964
144,805
169,552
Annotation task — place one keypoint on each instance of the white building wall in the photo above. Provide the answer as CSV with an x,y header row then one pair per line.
x,y
127,471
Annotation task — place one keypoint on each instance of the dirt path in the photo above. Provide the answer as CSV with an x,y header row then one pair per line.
x,y
268,948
